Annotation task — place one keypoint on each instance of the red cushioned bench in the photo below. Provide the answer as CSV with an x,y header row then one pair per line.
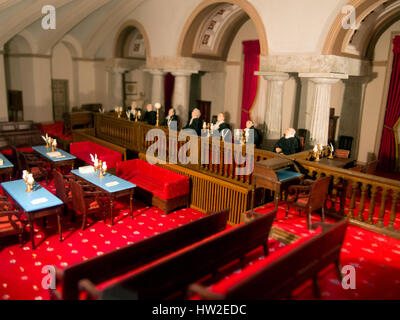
x,y
167,190
82,150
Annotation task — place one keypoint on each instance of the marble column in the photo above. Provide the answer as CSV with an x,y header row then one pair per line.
x,y
321,104
157,91
181,95
351,114
115,88
3,90
274,103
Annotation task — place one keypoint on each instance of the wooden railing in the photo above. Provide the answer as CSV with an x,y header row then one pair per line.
x,y
369,201
368,197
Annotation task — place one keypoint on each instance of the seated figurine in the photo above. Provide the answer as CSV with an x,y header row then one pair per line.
x,y
288,144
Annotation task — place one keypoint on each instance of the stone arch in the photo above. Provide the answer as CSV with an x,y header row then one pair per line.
x,y
373,17
73,46
20,44
124,32
197,17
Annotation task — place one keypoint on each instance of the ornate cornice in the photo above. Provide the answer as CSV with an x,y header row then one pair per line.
x,y
315,64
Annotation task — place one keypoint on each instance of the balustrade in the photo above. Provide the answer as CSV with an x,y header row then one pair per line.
x,y
370,200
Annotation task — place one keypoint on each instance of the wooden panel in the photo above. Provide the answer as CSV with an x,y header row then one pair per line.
x,y
60,98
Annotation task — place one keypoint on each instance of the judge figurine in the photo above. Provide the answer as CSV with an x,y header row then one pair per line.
x,y
256,133
150,116
171,117
132,108
288,144
220,128
195,122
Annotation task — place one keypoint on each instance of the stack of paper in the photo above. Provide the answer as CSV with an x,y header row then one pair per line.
x,y
54,154
86,169
112,184
39,201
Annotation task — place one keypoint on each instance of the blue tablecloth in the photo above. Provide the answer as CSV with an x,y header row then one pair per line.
x,y
93,178
43,151
6,162
16,190
284,175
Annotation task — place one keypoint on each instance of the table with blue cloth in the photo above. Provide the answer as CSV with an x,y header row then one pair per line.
x,y
58,158
39,203
112,185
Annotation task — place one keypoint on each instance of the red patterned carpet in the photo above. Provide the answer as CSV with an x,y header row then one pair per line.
x,y
375,257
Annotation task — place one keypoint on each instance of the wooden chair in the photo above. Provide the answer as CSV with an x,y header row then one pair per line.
x,y
310,197
62,187
10,220
33,164
345,142
341,153
86,202
370,167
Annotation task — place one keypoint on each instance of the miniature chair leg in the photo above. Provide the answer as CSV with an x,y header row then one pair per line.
x,y
84,222
309,219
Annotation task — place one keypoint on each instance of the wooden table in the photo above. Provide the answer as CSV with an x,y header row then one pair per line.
x,y
113,186
25,201
7,167
336,162
272,174
64,159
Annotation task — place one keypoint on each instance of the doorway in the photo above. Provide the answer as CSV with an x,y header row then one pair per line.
x,y
60,98
205,109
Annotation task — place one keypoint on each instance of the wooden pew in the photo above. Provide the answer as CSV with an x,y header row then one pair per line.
x,y
119,262
279,278
173,274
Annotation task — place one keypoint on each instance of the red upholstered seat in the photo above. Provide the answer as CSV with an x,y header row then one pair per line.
x,y
5,224
161,182
82,150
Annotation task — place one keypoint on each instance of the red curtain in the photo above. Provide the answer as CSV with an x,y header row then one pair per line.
x,y
251,50
388,151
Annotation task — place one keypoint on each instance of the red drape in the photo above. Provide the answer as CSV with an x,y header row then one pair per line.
x,y
251,50
388,151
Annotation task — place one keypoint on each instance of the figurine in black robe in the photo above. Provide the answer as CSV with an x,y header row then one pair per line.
x,y
256,133
150,116
288,144
195,123
221,128
171,117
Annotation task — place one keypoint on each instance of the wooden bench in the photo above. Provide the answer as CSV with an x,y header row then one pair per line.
x,y
119,262
173,274
20,134
77,119
281,276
